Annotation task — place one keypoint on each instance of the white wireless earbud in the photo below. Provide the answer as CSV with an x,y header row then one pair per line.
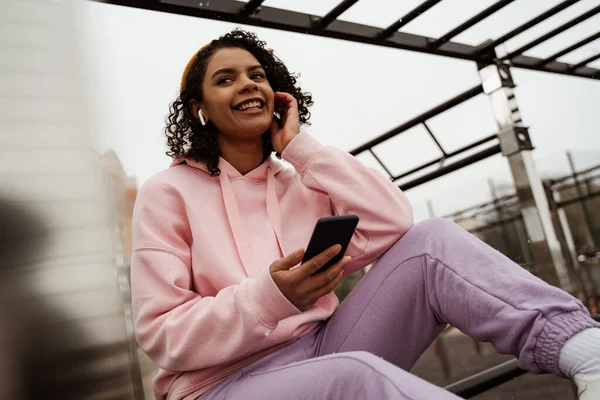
x,y
202,121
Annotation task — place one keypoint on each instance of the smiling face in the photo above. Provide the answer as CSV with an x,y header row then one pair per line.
x,y
237,97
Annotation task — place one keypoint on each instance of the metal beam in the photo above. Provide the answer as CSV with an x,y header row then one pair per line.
x,y
275,18
586,61
461,215
474,91
251,6
527,25
571,48
435,139
449,155
554,182
470,22
411,15
532,63
381,163
292,21
585,197
488,379
333,14
472,159
588,14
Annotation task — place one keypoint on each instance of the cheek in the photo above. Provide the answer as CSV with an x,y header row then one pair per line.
x,y
219,108
270,105
269,97
270,102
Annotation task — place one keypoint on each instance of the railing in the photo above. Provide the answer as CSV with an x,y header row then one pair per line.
x,y
490,378
486,380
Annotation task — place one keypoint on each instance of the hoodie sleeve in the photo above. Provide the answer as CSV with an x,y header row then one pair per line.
x,y
178,328
384,210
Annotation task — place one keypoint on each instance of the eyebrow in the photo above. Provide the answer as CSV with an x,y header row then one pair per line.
x,y
231,70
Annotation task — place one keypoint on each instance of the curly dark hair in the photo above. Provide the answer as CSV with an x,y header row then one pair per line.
x,y
186,137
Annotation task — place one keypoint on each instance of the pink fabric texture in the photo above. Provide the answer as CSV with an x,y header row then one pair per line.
x,y
205,304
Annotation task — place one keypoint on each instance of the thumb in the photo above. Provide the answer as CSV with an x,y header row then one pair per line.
x,y
288,261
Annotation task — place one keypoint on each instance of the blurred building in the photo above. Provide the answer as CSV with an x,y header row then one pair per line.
x,y
69,337
121,194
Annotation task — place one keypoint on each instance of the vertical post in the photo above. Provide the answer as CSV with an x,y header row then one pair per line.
x,y
593,241
503,228
586,282
516,146
430,208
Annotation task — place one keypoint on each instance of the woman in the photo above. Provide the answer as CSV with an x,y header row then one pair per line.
x,y
222,306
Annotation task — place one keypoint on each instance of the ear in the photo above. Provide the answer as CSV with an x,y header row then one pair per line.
x,y
195,106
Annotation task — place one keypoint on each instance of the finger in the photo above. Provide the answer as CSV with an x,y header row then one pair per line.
x,y
286,101
324,278
315,263
284,97
288,261
292,106
317,294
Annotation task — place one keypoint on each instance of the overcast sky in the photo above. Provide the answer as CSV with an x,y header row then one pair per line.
x,y
135,59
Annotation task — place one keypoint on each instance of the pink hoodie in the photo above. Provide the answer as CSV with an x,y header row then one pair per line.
x,y
205,304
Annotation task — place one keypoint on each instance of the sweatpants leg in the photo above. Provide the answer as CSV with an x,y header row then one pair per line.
x,y
294,373
352,375
438,273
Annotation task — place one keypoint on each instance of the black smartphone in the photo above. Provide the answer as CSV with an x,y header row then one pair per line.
x,y
328,232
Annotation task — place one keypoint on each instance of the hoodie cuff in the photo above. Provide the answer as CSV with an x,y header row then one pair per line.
x,y
267,301
301,151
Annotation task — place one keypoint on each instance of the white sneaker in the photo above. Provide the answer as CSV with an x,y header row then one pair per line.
x,y
588,386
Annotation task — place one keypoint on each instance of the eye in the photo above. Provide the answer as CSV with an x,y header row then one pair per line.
x,y
223,80
258,75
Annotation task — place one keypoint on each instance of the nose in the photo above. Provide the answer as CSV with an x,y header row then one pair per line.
x,y
248,85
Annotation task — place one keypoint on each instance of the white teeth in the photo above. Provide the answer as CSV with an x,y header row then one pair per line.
x,y
250,104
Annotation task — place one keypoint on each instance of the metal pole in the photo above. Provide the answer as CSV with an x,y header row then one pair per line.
x,y
470,22
500,217
571,48
456,100
472,159
486,380
251,7
441,160
531,23
554,32
411,15
430,208
332,15
594,241
570,242
516,146
586,62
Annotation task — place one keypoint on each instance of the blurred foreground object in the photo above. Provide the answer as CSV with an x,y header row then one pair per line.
x,y
62,325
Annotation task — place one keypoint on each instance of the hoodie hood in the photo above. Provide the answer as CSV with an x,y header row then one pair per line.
x,y
265,171
258,174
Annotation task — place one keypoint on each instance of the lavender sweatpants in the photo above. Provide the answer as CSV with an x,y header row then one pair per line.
x,y
436,274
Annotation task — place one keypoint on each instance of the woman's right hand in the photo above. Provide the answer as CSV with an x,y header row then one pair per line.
x,y
298,285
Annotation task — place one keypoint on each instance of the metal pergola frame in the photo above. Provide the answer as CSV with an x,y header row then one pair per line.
x,y
255,13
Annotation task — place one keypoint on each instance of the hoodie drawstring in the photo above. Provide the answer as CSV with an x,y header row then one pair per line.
x,y
233,215
273,210
240,236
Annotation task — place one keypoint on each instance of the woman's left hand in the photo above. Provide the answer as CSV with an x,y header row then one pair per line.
x,y
287,107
